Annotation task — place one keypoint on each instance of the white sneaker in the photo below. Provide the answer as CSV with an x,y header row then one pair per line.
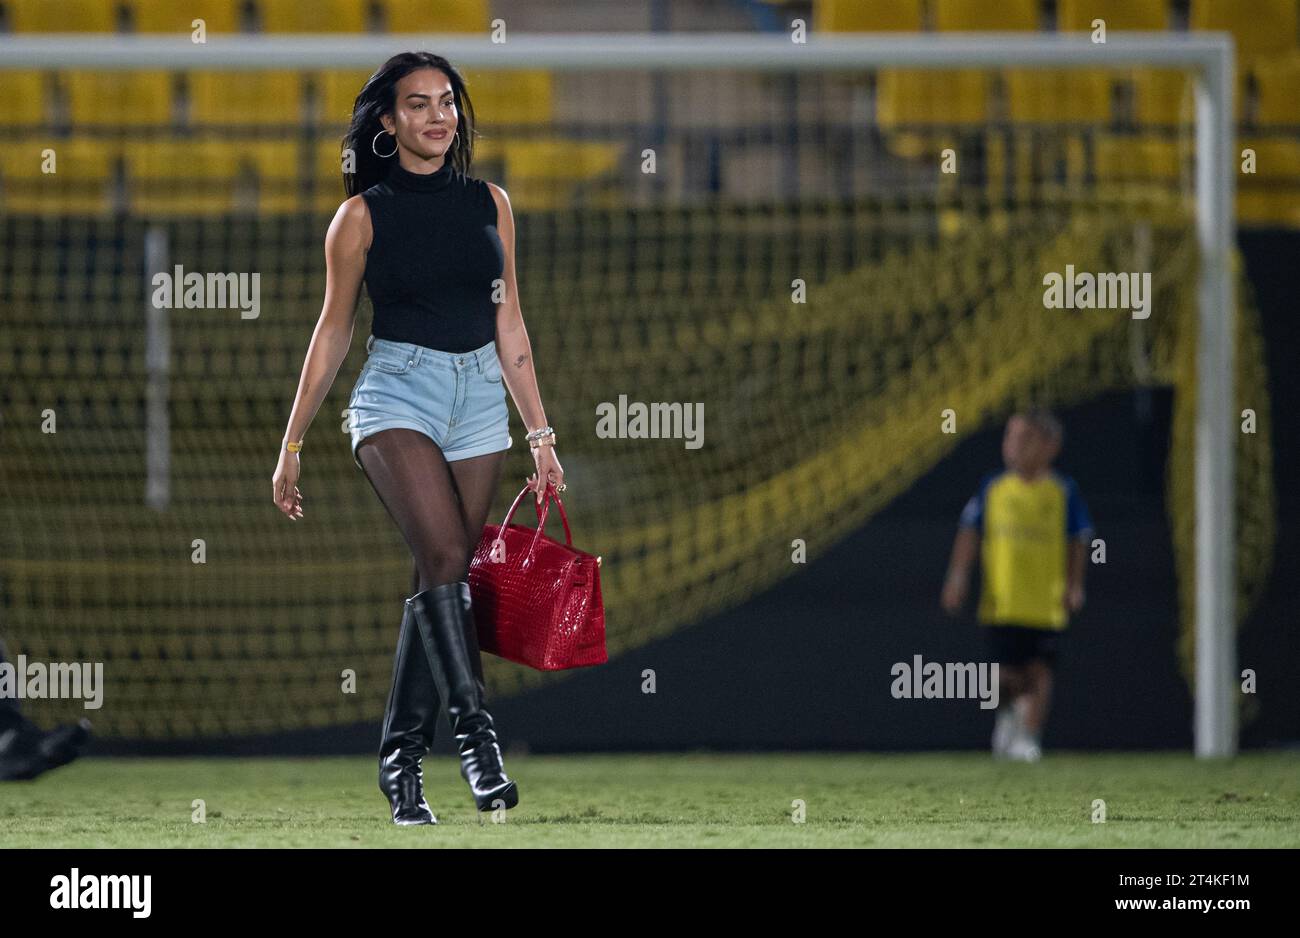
x,y
1006,727
1024,749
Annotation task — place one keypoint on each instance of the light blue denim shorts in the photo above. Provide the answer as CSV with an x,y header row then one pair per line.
x,y
457,399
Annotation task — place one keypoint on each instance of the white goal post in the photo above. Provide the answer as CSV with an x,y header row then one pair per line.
x,y
1209,56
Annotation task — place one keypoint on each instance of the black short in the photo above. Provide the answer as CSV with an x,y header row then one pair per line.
x,y
1018,644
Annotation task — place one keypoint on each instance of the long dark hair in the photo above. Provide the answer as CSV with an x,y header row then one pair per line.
x,y
379,97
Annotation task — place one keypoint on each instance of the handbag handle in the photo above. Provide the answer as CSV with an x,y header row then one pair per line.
x,y
564,517
542,513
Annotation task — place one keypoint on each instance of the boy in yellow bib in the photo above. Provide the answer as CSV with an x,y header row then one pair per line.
x,y
1030,527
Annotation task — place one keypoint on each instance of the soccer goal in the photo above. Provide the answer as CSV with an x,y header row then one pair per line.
x,y
830,241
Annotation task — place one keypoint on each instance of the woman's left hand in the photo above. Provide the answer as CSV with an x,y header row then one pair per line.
x,y
549,471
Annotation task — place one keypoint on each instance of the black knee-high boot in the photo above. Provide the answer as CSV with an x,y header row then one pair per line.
x,y
409,722
445,621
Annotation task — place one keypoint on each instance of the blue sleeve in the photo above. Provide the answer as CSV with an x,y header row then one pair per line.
x,y
1078,523
972,516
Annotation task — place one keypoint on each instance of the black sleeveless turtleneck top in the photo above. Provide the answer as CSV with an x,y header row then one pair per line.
x,y
433,256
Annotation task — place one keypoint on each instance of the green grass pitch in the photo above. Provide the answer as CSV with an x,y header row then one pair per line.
x,y
692,800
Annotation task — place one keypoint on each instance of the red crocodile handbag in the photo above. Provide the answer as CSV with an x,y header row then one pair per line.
x,y
537,601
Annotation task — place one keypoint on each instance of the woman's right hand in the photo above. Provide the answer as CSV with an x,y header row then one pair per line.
x,y
284,485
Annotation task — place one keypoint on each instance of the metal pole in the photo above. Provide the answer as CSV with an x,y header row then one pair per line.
x,y
1216,541
158,440
766,52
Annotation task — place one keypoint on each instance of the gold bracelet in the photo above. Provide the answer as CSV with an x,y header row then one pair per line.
x,y
294,447
544,441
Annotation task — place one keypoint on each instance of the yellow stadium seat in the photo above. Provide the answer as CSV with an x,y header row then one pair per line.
x,y
510,97
559,158
318,16
546,173
1166,97
62,16
119,99
1259,26
1278,84
923,97
326,161
1163,97
171,159
1058,95
445,16
1077,15
500,97
1144,158
491,152
338,92
273,160
542,173
1270,195
855,16
198,176
180,177
279,176
980,15
168,16
75,158
22,98
250,98
327,164
1276,159
327,171
80,183
1269,208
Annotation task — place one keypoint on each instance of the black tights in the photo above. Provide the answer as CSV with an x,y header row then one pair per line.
x,y
440,507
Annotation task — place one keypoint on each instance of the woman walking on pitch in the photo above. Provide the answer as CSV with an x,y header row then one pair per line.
x,y
427,415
